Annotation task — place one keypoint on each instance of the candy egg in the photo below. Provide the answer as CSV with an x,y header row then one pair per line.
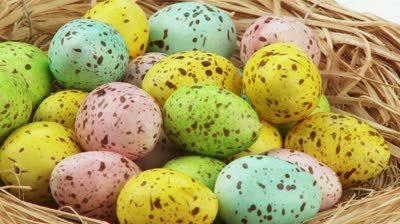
x,y
91,181
187,69
192,26
282,83
61,107
31,152
353,149
15,103
210,121
262,189
31,63
119,117
86,53
139,66
126,17
326,178
165,196
271,29
203,169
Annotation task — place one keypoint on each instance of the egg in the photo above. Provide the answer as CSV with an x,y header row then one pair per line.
x,y
210,121
192,26
271,29
269,139
203,169
90,182
165,196
126,17
61,107
187,69
139,66
29,62
30,153
87,53
353,149
263,189
326,178
15,103
119,117
282,83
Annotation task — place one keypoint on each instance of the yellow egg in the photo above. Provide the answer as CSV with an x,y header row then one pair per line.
x,y
190,68
29,155
165,196
282,83
269,139
126,17
61,107
353,149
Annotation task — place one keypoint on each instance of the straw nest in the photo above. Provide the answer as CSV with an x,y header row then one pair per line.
x,y
360,67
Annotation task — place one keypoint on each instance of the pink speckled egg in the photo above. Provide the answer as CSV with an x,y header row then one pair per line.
x,y
139,66
91,181
271,29
119,117
326,178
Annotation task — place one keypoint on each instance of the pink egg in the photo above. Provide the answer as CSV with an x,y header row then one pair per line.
x,y
119,117
326,178
278,29
90,182
139,66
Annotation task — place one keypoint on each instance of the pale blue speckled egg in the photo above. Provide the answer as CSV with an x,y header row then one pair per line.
x,y
87,53
262,189
192,26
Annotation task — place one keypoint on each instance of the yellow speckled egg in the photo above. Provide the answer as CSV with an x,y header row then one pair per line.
x,y
61,107
165,196
282,83
353,149
29,155
126,17
190,68
269,139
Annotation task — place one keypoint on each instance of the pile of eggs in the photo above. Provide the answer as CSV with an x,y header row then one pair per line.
x,y
178,134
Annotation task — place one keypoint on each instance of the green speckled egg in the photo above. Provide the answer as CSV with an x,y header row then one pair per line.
x,y
15,103
262,189
210,121
282,83
192,26
61,107
87,53
31,63
203,169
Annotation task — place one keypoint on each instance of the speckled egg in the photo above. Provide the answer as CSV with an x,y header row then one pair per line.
x,y
269,139
192,26
15,103
353,149
119,117
139,66
271,29
282,83
263,189
210,121
203,169
326,178
126,17
31,152
87,53
165,196
31,63
61,107
90,182
190,68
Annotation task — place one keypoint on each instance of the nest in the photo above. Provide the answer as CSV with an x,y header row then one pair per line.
x,y
360,67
